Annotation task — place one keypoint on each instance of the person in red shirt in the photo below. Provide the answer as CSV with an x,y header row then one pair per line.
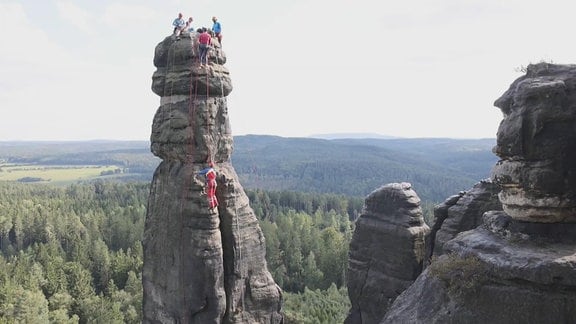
x,y
210,175
204,40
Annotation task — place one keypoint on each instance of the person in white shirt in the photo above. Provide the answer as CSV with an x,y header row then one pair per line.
x,y
189,27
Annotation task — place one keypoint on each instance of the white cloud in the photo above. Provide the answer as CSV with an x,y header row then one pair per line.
x,y
76,16
121,15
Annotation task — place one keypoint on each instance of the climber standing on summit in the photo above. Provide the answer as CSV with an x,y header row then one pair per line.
x,y
217,29
210,175
204,42
179,24
189,27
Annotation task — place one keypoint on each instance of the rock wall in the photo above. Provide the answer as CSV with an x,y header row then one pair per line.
x,y
386,252
201,265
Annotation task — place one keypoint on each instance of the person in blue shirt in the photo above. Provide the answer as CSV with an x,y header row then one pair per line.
x,y
217,29
179,24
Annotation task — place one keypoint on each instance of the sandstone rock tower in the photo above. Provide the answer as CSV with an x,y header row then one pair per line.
x,y
536,144
201,265
387,251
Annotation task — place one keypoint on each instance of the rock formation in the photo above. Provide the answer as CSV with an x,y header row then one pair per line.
x,y
201,265
519,266
461,213
537,145
386,251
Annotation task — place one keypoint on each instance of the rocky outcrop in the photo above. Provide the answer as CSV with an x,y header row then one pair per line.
x,y
460,213
497,274
519,265
201,265
536,143
386,252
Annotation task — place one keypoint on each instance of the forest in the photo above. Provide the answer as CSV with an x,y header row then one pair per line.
x,y
436,168
71,247
73,254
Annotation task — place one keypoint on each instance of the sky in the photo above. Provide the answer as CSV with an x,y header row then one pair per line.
x,y
82,70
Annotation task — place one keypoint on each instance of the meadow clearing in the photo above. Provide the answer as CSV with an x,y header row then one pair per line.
x,y
55,174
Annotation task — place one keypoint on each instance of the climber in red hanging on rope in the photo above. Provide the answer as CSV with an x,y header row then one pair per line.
x,y
210,175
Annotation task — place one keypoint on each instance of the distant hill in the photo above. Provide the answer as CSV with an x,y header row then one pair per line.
x,y
470,156
351,135
437,168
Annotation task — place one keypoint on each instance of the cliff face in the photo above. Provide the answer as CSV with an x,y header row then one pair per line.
x,y
519,265
201,264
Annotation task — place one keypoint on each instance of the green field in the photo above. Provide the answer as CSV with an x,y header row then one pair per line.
x,y
56,174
